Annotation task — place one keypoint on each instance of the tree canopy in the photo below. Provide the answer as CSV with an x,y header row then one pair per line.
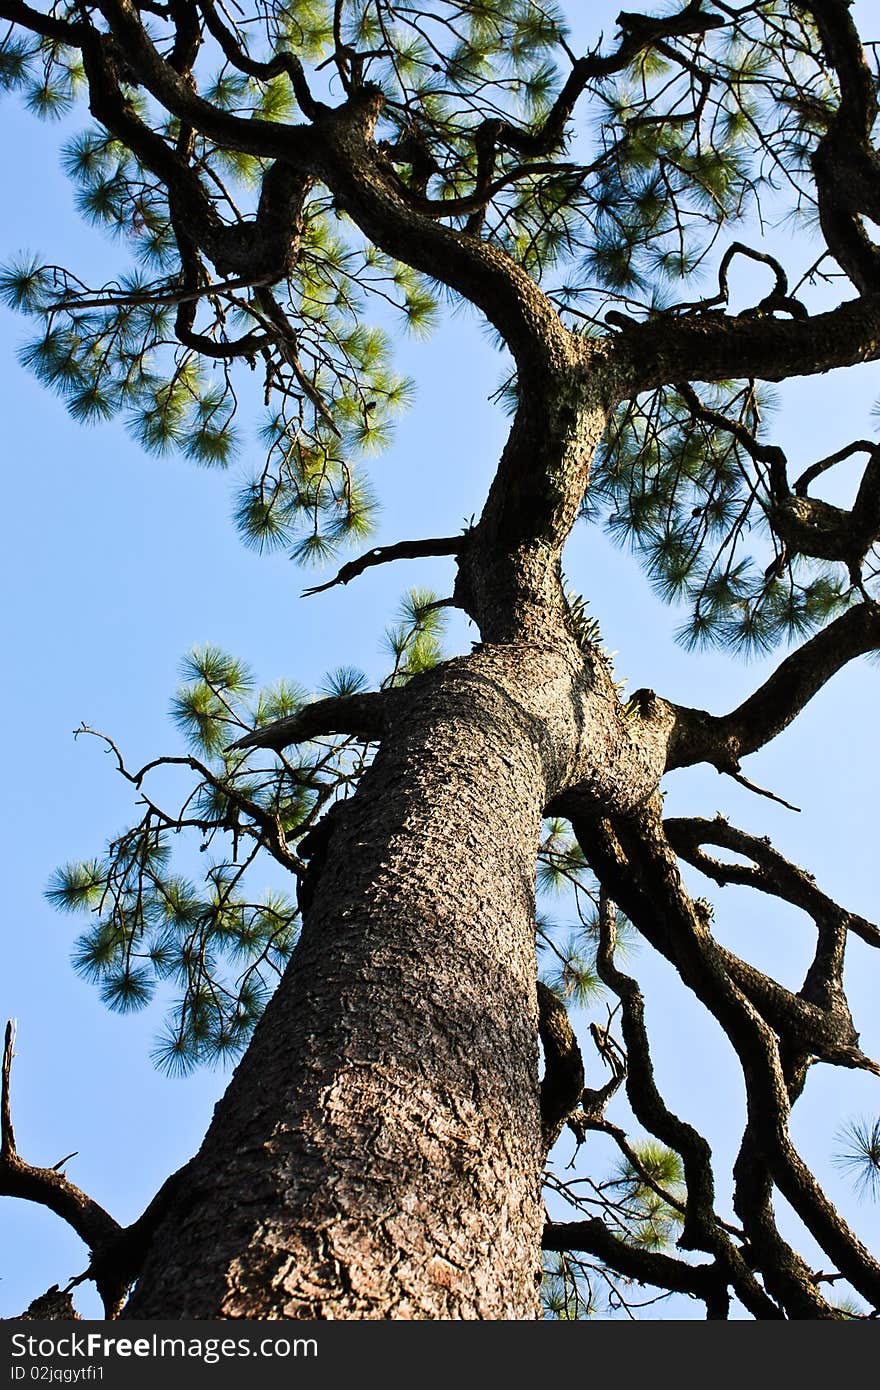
x,y
658,225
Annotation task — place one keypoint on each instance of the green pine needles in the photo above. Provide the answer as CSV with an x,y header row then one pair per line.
x,y
644,1194
685,491
621,216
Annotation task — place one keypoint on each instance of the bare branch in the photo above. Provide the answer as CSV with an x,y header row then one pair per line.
x,y
715,347
50,1188
384,554
723,739
633,857
286,63
7,1133
270,825
858,446
760,791
363,715
702,1230
769,872
645,1266
117,1252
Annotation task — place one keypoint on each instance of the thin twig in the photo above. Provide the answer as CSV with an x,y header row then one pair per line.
x,y
761,791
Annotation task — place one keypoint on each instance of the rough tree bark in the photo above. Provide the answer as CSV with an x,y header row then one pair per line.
x,y
378,1153
384,1124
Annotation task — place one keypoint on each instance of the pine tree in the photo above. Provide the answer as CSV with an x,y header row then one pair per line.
x,y
294,183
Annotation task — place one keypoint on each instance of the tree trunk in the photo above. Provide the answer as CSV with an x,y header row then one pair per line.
x,y
378,1152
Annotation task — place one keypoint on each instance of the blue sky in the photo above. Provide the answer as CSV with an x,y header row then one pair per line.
x,y
115,564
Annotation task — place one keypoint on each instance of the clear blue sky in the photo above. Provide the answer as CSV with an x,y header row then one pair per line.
x,y
115,564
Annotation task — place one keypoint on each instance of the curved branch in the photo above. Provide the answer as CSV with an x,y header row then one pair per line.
x,y
770,454
250,135
48,1187
634,859
770,872
117,1252
701,1227
825,1032
858,446
635,1262
286,63
118,1261
723,739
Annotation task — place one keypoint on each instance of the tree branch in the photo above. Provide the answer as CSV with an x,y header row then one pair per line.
x,y
48,26
845,163
760,791
636,863
639,32
770,454
50,1188
723,739
384,554
562,1087
118,1261
702,1230
286,63
858,446
117,1252
715,347
634,1262
7,1133
770,872
338,148
251,135
363,715
270,825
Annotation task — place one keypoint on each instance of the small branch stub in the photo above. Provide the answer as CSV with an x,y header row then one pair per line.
x,y
7,1133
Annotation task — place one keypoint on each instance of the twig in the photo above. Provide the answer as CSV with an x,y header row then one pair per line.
x,y
761,791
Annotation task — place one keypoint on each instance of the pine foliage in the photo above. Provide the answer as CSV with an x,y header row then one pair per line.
x,y
177,904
